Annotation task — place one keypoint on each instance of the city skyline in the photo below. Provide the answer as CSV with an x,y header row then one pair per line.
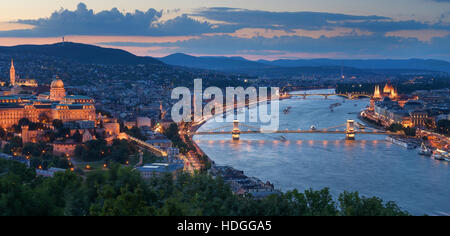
x,y
273,30
102,113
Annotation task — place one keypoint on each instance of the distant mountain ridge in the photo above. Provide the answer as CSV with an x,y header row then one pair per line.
x,y
238,64
229,64
412,64
81,53
90,54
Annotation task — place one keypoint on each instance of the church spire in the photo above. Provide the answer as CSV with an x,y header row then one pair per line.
x,y
12,74
377,93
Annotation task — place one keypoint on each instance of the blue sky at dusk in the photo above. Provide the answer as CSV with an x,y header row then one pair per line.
x,y
256,29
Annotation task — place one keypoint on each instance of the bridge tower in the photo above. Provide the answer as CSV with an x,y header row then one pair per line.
x,y
350,132
236,131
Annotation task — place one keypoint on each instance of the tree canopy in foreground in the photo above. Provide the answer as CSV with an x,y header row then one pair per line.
x,y
122,192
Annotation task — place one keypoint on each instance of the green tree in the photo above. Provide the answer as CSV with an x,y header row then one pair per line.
x,y
122,192
351,204
443,127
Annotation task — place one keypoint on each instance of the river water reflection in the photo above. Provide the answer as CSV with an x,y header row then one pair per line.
x,y
369,165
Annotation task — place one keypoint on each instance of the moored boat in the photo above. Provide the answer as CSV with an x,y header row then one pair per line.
x,y
401,142
441,155
424,150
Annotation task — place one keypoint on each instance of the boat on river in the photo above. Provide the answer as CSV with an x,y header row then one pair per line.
x,y
424,150
401,142
441,155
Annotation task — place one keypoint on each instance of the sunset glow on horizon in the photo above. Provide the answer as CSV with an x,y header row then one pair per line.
x,y
267,29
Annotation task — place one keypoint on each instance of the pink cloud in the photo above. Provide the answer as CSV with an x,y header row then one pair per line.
x,y
249,33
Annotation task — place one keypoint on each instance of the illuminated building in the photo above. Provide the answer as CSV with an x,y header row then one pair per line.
x,y
57,91
31,136
46,107
418,118
64,148
12,74
388,91
14,81
377,93
393,94
388,88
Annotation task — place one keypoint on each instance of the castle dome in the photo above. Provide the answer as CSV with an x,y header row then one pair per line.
x,y
57,84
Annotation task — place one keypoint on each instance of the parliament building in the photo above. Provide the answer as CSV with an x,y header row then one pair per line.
x,y
45,107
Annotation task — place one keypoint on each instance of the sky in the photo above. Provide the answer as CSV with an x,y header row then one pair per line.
x,y
254,29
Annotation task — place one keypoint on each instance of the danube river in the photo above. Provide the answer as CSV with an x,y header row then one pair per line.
x,y
369,165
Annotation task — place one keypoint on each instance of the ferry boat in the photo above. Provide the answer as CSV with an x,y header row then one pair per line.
x,y
441,155
424,150
400,142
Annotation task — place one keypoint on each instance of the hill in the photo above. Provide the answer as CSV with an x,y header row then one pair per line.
x,y
81,53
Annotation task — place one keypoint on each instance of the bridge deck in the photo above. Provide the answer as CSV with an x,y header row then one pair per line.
x,y
330,94
293,132
149,147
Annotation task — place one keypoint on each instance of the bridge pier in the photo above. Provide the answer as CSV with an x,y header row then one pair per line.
x,y
236,134
350,132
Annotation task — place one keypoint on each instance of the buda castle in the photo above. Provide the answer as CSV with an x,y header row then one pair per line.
x,y
44,107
